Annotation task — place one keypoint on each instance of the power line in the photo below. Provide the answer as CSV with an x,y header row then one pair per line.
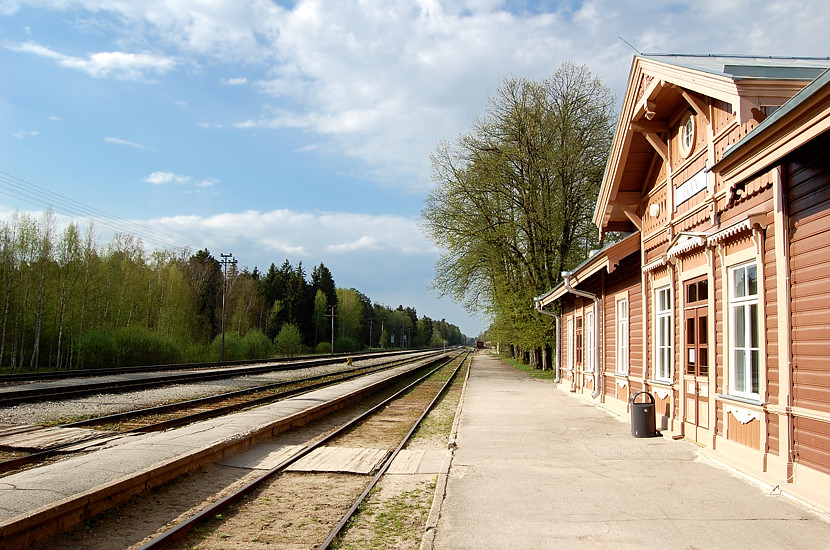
x,y
34,194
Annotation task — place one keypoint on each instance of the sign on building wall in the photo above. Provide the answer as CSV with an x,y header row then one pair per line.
x,y
689,188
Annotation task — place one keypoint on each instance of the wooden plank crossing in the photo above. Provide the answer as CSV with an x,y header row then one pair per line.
x,y
261,457
417,462
39,438
341,459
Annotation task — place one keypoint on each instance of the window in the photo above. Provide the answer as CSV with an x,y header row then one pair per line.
x,y
578,343
570,343
664,334
687,134
589,341
697,328
744,338
622,337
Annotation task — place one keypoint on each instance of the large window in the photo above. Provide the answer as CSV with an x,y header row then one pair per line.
x,y
664,334
622,336
697,327
589,341
745,338
570,343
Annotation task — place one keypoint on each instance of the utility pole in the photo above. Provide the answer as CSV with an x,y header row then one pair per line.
x,y
332,315
371,324
227,259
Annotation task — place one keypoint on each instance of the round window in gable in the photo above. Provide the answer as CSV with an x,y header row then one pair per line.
x,y
687,134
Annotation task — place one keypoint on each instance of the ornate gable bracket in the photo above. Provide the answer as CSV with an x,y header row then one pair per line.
x,y
700,107
651,130
632,216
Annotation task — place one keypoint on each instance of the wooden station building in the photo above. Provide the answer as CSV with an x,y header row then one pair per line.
x,y
717,299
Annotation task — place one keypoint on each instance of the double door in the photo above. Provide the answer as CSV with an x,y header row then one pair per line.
x,y
696,356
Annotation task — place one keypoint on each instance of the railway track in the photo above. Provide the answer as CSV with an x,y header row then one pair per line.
x,y
389,425
40,503
30,387
163,417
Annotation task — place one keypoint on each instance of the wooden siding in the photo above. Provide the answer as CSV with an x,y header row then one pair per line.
x,y
748,434
809,205
771,311
772,430
718,294
812,443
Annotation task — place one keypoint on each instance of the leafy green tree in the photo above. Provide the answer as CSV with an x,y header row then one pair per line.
x,y
289,341
204,274
321,330
513,199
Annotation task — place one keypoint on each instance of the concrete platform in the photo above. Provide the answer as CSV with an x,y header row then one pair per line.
x,y
54,497
538,468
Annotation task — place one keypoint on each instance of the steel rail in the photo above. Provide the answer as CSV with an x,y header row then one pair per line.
x,y
21,377
183,529
16,463
388,462
29,395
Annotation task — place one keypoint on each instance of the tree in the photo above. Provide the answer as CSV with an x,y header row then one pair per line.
x,y
321,332
289,341
204,274
513,199
349,312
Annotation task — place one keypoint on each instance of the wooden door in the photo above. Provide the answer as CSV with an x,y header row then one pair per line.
x,y
696,354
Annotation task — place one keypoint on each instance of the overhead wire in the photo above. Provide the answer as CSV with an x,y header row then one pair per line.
x,y
39,196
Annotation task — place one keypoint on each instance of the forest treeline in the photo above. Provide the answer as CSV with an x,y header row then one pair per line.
x,y
66,301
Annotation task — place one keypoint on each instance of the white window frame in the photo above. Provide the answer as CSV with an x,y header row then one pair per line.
x,y
570,342
589,350
663,329
622,337
744,315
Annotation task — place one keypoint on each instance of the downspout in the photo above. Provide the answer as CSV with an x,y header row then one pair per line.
x,y
566,280
557,350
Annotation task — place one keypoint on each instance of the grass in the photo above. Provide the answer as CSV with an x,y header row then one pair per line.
x,y
396,522
549,374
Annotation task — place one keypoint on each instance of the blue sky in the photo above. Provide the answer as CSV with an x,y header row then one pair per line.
x,y
302,130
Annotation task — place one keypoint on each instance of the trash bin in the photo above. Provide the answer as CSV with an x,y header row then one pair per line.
x,y
643,422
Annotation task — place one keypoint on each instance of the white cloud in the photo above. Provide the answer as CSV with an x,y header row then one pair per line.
x,y
383,82
161,178
363,243
119,65
25,134
119,141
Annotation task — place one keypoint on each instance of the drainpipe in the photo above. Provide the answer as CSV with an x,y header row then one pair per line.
x,y
557,350
566,280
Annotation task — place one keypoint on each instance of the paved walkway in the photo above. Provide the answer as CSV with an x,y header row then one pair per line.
x,y
538,468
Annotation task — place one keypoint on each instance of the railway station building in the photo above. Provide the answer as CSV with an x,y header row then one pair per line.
x,y
716,300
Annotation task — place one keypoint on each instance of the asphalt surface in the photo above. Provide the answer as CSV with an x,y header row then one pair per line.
x,y
536,467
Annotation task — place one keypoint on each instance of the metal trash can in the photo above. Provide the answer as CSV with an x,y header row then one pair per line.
x,y
643,423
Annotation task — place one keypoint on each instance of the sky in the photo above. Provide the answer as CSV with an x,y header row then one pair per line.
x,y
302,130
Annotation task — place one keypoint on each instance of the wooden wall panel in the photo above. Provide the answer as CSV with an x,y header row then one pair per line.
x,y
772,430
808,194
812,443
748,434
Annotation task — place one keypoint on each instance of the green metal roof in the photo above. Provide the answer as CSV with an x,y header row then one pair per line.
x,y
813,87
742,67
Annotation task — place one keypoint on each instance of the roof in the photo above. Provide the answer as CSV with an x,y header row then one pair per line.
x,y
608,257
817,85
659,85
741,67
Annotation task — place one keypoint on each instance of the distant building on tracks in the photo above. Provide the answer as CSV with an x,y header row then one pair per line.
x,y
717,298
